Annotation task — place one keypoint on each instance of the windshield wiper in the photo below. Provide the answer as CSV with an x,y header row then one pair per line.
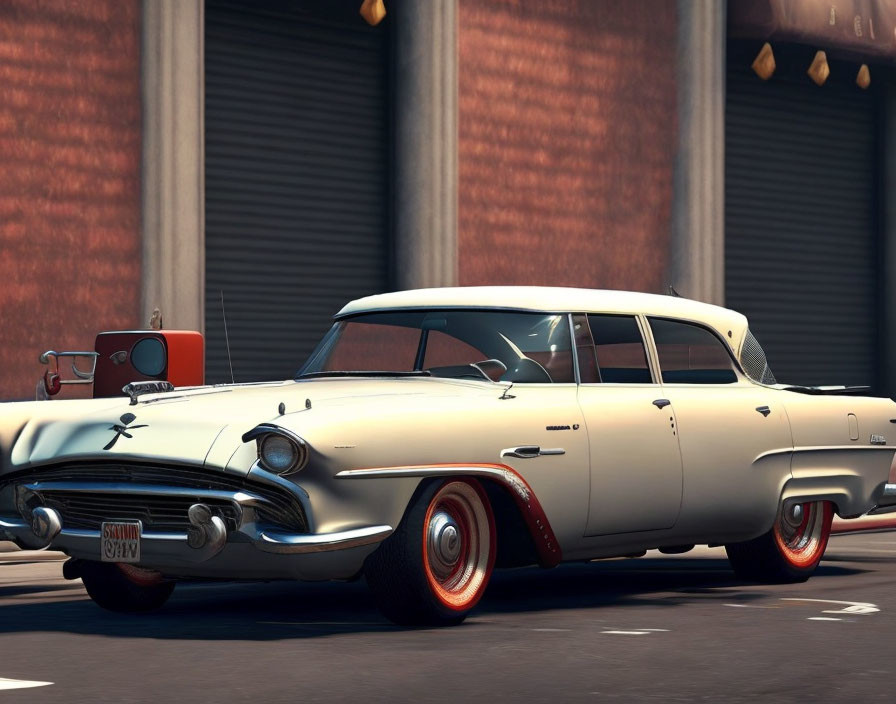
x,y
317,375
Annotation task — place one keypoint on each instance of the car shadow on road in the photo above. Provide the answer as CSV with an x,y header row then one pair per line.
x,y
287,610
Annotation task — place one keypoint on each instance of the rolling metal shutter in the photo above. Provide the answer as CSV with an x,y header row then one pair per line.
x,y
296,177
801,241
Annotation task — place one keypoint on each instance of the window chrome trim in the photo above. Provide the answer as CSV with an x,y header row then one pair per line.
x,y
573,350
653,358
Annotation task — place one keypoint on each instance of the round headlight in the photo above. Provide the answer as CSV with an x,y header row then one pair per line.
x,y
280,454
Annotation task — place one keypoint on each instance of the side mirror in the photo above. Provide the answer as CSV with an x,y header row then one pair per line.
x,y
177,356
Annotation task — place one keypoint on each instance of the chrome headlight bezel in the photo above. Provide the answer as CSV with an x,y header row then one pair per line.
x,y
265,432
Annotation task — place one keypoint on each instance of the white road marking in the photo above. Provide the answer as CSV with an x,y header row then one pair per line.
x,y
823,618
20,684
750,606
552,630
625,633
850,607
638,632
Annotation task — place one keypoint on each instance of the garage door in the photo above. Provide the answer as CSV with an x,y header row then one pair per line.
x,y
801,242
296,177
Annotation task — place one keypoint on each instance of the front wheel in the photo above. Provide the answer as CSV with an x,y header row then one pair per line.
x,y
791,550
124,588
435,567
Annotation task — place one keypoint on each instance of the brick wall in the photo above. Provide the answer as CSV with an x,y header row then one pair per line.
x,y
69,179
567,134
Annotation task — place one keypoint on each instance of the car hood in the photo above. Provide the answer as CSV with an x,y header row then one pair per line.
x,y
202,425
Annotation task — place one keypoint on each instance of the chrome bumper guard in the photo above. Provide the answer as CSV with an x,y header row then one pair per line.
x,y
207,535
887,500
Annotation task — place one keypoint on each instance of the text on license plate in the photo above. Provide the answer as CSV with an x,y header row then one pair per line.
x,y
120,542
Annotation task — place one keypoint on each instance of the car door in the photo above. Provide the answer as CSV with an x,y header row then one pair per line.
x,y
734,434
636,470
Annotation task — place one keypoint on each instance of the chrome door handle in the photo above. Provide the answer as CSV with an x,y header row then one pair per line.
x,y
662,402
528,452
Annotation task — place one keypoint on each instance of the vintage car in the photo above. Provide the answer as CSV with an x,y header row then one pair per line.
x,y
436,434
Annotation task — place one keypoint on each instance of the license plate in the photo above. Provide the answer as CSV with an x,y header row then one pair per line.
x,y
120,541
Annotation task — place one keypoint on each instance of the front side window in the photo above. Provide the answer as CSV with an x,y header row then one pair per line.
x,y
621,358
690,354
534,347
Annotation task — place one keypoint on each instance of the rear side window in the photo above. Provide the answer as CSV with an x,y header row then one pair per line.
x,y
690,354
621,358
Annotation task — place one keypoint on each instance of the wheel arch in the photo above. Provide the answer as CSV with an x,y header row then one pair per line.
x,y
514,504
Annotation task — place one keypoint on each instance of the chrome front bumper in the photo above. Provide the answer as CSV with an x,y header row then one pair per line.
x,y
24,536
233,543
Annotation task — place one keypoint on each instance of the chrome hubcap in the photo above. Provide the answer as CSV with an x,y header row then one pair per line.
x,y
444,543
794,515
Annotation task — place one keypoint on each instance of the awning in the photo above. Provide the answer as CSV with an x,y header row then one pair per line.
x,y
863,27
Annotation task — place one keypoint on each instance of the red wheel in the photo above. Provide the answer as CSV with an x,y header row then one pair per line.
x,y
802,532
435,567
791,550
458,544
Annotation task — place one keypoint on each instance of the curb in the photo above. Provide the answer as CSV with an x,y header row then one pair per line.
x,y
10,553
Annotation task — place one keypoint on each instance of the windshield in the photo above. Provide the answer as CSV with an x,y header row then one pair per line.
x,y
496,345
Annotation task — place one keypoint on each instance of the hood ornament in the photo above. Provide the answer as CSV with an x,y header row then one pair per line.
x,y
123,429
137,388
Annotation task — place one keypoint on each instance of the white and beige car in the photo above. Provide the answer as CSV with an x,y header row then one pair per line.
x,y
436,434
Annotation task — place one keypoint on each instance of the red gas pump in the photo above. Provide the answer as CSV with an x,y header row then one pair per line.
x,y
124,356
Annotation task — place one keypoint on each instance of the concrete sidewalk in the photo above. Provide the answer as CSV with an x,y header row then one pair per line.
x,y
10,553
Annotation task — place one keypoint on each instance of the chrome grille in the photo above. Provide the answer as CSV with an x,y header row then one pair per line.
x,y
79,509
158,513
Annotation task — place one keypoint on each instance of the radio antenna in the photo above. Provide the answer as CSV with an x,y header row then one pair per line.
x,y
227,337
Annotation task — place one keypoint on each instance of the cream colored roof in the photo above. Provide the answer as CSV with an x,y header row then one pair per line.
x,y
558,300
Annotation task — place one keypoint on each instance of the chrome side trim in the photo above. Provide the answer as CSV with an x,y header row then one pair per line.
x,y
322,542
823,448
504,475
889,490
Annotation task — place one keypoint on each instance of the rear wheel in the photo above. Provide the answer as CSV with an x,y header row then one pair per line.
x,y
791,550
435,567
125,588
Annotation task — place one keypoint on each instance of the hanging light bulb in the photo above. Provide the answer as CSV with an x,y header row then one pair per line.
x,y
373,11
819,69
764,63
863,80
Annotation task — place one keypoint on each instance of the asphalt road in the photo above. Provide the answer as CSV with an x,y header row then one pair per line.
x,y
664,629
